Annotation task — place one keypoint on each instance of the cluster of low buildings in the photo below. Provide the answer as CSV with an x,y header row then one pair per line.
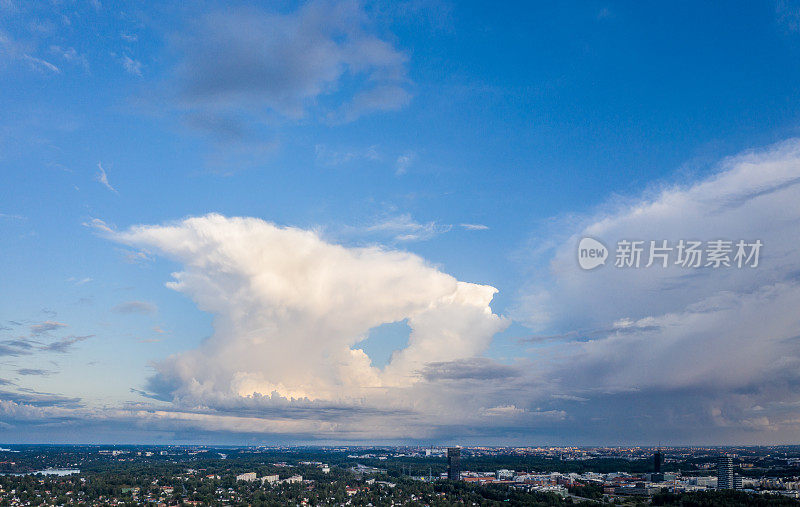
x,y
621,484
274,479
614,484
545,483
268,479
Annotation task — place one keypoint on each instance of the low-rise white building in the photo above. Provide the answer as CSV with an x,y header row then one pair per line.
x,y
249,477
504,474
270,479
292,479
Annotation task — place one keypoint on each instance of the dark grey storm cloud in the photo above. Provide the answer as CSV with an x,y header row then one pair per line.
x,y
668,353
38,399
247,64
160,388
468,369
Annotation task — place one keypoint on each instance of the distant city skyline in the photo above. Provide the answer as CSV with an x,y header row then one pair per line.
x,y
346,475
423,222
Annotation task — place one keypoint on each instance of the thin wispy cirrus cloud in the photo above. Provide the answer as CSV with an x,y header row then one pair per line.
x,y
79,281
102,178
22,50
364,156
328,156
70,55
136,256
40,64
98,225
248,64
34,371
474,227
403,227
131,66
134,307
403,162
34,37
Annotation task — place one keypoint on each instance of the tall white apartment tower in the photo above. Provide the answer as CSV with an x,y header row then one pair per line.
x,y
725,473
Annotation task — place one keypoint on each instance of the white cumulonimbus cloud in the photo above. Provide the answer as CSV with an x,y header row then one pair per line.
x,y
290,308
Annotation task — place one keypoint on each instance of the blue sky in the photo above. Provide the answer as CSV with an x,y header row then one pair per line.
x,y
480,138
